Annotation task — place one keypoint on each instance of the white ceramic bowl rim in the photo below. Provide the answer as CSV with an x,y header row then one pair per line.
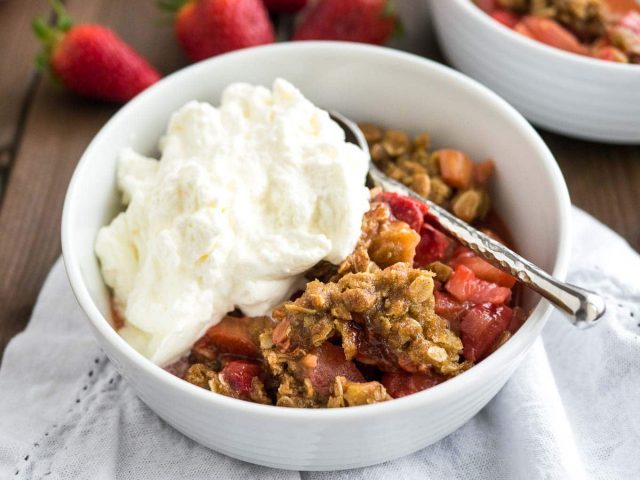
x,y
454,386
512,35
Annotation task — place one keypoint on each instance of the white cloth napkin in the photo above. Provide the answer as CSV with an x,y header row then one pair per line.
x,y
572,410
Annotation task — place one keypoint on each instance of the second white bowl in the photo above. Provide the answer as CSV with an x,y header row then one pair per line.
x,y
577,96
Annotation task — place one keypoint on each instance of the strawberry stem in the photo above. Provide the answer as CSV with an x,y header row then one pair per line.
x,y
50,35
389,12
171,5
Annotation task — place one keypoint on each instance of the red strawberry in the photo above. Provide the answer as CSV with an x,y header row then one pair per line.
x,y
367,21
91,60
206,28
284,6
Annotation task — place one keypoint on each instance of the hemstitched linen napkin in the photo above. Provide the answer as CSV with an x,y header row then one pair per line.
x,y
571,411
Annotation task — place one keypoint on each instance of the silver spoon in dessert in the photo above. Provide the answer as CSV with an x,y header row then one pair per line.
x,y
583,307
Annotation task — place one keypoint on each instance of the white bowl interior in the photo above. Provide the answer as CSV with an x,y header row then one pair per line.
x,y
367,84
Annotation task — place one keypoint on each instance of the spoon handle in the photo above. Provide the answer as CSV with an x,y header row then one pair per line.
x,y
583,307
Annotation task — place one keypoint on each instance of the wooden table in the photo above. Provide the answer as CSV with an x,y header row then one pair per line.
x,y
43,131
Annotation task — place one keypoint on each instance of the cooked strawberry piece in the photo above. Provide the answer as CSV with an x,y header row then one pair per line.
x,y
232,336
631,21
481,268
450,309
465,286
372,350
406,209
401,384
433,246
480,328
455,167
487,5
239,375
323,364
549,31
506,17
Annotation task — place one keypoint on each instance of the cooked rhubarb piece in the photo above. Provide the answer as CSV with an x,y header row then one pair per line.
x,y
323,364
465,286
401,384
232,336
450,309
549,31
455,167
480,327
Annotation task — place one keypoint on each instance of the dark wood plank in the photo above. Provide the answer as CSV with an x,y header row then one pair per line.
x,y
58,128
19,47
604,180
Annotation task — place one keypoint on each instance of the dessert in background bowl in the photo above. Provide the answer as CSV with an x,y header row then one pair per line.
x,y
334,76
604,29
565,88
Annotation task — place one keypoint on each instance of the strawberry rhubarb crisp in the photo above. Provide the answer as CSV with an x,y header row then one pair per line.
x,y
251,260
604,29
408,309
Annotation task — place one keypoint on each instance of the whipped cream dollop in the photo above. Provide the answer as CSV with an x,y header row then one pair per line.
x,y
243,200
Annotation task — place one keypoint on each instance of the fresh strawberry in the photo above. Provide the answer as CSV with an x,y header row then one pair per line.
x,y
367,21
206,28
91,60
284,6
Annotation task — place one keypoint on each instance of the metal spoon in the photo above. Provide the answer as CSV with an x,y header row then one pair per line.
x,y
583,307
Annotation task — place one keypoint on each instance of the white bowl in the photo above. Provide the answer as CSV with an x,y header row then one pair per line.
x,y
365,83
570,94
